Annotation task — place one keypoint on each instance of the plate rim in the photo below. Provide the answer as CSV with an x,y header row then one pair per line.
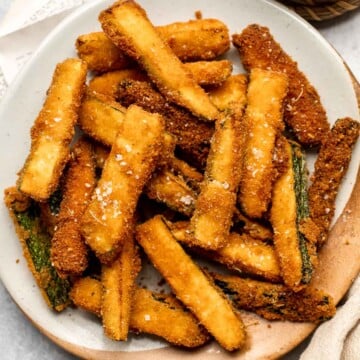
x,y
7,98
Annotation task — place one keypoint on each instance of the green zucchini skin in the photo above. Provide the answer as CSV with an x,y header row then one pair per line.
x,y
276,301
302,208
294,232
36,243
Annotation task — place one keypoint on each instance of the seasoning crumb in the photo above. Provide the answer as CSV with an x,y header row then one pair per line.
x,y
198,15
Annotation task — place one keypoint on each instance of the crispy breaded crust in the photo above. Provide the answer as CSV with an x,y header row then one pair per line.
x,y
121,22
193,40
151,313
86,293
210,72
101,153
215,205
250,256
53,289
262,123
231,94
202,39
172,190
241,252
212,218
17,201
191,286
192,135
330,167
53,130
230,97
203,72
163,315
283,218
100,117
304,113
108,220
68,249
190,175
276,301
280,156
252,227
118,282
79,182
108,83
167,153
100,54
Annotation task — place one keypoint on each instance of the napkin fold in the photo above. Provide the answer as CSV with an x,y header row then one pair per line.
x,y
23,28
338,338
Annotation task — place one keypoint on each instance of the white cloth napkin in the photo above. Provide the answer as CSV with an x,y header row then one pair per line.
x,y
337,339
23,28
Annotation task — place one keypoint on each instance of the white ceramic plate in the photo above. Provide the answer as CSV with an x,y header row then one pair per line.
x,y
81,333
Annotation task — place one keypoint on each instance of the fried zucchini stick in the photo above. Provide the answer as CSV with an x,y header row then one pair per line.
x,y
210,72
230,96
86,293
152,313
108,220
118,282
289,209
191,176
193,136
50,209
250,256
276,301
241,252
191,286
121,23
203,72
100,54
101,118
163,315
167,153
53,130
330,167
68,249
193,40
107,84
304,113
36,241
172,190
215,205
194,178
251,227
263,122
175,184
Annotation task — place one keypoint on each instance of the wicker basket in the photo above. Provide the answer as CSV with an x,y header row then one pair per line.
x,y
313,2
318,10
